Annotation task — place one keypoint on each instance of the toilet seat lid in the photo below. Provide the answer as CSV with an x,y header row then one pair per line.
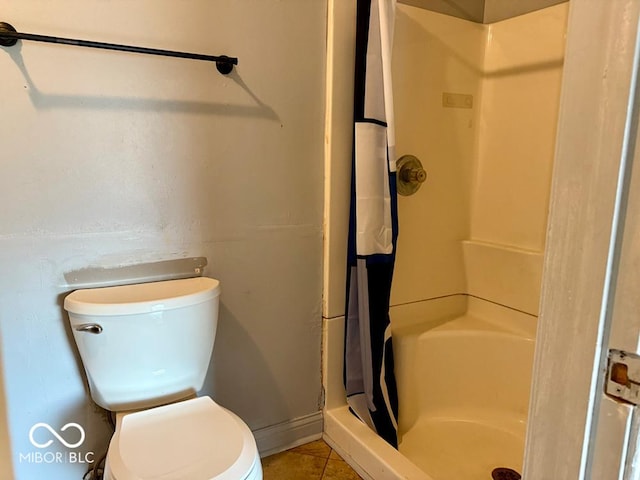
x,y
194,439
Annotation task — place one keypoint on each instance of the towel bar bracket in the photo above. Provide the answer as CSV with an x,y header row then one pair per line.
x,y
6,28
9,37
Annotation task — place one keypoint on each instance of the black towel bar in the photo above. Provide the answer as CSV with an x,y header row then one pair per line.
x,y
9,37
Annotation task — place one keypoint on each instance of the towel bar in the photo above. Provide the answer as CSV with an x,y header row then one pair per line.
x,y
9,37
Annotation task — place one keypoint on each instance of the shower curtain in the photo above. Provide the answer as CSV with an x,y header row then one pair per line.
x,y
373,226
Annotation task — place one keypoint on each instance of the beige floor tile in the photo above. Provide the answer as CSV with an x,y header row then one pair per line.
x,y
318,449
335,456
339,470
293,466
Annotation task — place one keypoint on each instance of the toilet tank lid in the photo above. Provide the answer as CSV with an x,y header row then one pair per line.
x,y
142,297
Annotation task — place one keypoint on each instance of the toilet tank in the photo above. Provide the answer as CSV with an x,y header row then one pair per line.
x,y
147,344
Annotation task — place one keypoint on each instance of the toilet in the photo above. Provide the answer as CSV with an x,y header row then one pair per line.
x,y
146,349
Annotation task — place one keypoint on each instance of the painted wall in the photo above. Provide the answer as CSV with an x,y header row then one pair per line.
x,y
112,159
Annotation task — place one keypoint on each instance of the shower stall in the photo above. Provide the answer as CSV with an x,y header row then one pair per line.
x,y
476,98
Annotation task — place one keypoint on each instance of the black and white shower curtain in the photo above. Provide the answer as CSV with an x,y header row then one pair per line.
x,y
369,373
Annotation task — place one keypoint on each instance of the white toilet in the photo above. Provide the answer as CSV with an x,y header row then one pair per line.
x,y
146,349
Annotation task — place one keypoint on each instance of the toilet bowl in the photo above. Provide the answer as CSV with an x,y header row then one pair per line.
x,y
146,349
192,439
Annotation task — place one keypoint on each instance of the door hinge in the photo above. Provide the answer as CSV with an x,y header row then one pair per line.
x,y
623,377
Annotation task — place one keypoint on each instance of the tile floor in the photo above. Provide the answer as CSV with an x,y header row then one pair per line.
x,y
313,461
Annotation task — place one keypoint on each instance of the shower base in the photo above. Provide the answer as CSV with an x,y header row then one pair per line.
x,y
447,448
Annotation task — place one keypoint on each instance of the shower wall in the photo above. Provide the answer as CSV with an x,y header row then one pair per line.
x,y
488,166
520,99
518,116
433,54
478,105
478,224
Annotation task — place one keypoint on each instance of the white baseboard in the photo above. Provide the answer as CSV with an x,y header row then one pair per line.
x,y
289,434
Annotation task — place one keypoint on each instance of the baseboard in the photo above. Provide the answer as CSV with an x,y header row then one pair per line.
x,y
289,434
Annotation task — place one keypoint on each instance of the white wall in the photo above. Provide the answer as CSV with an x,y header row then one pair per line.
x,y
111,159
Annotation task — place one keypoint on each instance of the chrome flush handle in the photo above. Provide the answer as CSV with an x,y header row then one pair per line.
x,y
89,328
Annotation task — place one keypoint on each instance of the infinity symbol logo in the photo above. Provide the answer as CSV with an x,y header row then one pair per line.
x,y
57,435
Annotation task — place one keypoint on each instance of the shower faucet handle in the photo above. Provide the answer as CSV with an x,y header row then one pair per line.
x,y
410,175
413,175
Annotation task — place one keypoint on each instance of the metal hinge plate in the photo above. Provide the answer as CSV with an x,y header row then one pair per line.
x,y
623,377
